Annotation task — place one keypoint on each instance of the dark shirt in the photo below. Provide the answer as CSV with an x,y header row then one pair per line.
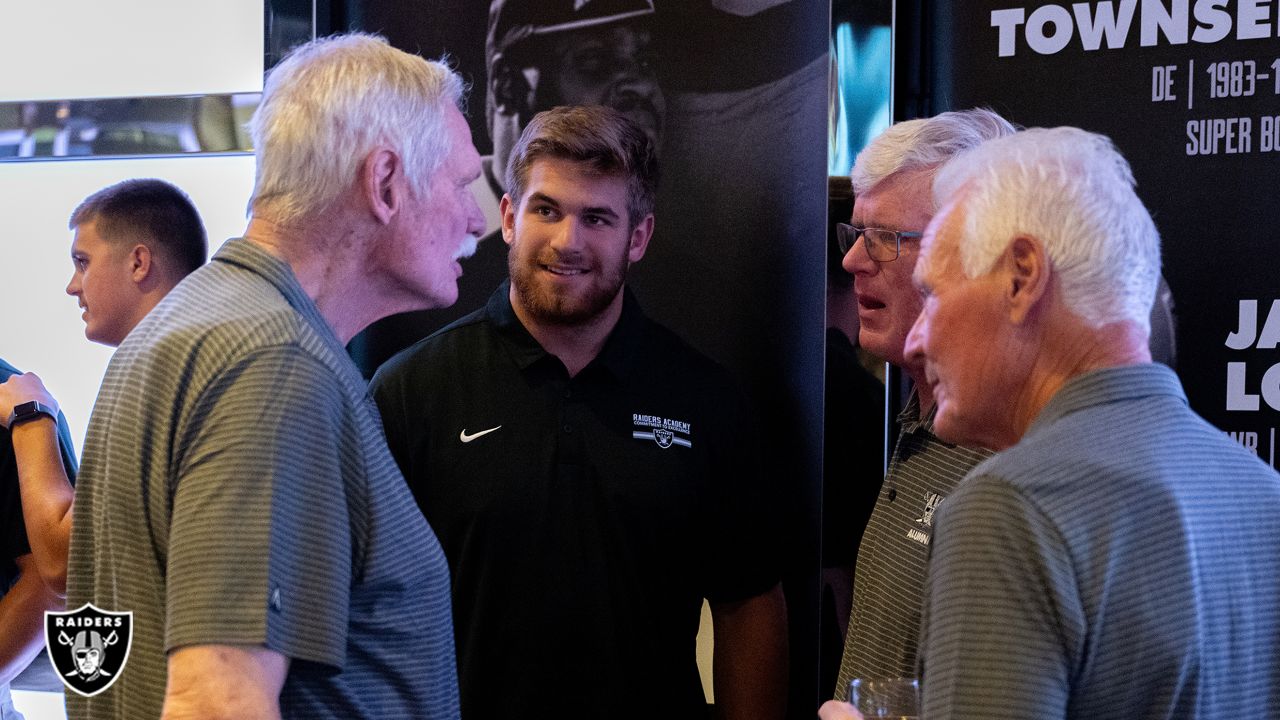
x,y
585,518
13,529
852,451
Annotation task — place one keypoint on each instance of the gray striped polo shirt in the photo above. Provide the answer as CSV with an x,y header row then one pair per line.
x,y
237,489
884,624
1121,561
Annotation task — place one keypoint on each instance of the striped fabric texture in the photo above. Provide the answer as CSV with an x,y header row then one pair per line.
x,y
237,489
884,625
1121,561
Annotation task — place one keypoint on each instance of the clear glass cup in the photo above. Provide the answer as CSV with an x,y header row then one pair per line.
x,y
896,698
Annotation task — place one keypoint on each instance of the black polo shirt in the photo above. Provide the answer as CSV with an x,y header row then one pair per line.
x,y
13,529
584,518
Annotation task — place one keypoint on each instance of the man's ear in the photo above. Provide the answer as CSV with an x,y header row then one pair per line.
x,y
507,208
639,241
140,267
382,183
1029,274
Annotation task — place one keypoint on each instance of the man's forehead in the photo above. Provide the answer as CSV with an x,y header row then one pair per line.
x,y
627,28
86,233
902,201
550,170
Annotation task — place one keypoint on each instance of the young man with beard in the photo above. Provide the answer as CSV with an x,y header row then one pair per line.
x,y
540,55
590,476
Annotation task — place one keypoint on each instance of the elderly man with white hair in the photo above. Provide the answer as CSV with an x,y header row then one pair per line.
x,y
237,494
1117,557
892,180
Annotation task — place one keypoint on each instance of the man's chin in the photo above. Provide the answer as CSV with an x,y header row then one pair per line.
x,y
642,112
553,308
437,298
648,122
882,347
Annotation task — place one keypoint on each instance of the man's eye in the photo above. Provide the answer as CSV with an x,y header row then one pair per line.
x,y
590,61
596,220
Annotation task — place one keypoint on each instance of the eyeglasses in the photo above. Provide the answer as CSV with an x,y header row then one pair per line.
x,y
882,245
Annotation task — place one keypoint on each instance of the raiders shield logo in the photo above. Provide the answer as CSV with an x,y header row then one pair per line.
x,y
663,437
88,647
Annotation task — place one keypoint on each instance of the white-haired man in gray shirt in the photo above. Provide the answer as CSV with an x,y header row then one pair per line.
x,y
1097,566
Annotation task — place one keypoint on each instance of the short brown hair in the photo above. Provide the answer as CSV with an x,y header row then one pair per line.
x,y
154,209
598,136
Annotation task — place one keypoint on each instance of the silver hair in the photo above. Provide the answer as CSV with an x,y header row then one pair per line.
x,y
328,104
925,143
1074,192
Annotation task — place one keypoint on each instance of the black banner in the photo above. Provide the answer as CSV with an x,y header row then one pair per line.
x,y
737,94
1189,91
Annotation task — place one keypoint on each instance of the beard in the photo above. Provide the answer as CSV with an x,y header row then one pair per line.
x,y
561,306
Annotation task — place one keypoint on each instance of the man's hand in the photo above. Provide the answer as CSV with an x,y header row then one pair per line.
x,y
836,710
224,681
22,388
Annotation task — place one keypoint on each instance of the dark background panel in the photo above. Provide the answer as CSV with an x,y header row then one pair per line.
x,y
1216,213
736,265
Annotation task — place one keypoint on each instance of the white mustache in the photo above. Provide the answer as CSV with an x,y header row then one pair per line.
x,y
466,248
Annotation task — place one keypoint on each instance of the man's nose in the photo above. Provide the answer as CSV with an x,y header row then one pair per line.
x,y
858,261
568,236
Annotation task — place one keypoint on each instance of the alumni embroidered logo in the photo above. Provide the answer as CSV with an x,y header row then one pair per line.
x,y
931,503
88,647
663,431
923,532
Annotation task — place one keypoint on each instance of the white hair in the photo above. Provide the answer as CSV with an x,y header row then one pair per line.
x,y
1074,192
925,143
329,103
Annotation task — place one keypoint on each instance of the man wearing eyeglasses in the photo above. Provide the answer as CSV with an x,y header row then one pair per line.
x,y
892,182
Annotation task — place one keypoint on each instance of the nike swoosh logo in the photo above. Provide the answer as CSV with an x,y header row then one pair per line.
x,y
464,437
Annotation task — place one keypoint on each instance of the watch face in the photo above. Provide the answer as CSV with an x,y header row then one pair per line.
x,y
30,410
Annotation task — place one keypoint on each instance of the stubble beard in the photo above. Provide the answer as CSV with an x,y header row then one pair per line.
x,y
552,307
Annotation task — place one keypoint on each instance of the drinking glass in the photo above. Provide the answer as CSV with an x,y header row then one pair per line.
x,y
896,698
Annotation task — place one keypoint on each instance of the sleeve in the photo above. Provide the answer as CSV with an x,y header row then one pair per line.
x,y
260,548
745,523
13,530
67,448
1003,627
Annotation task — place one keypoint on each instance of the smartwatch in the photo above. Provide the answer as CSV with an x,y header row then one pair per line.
x,y
30,410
